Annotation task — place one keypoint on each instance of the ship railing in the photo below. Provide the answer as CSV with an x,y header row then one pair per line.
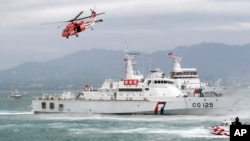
x,y
54,97
44,97
135,96
111,80
107,90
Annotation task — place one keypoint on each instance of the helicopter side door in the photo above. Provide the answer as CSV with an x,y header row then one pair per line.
x,y
78,28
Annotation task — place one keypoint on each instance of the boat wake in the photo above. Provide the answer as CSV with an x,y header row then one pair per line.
x,y
191,132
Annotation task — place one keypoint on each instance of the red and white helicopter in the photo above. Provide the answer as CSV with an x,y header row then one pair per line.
x,y
77,25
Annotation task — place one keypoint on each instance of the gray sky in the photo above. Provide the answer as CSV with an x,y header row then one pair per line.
x,y
143,25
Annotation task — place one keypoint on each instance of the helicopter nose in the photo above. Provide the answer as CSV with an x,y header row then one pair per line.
x,y
64,34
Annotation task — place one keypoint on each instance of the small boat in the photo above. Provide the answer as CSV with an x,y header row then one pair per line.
x,y
223,128
15,94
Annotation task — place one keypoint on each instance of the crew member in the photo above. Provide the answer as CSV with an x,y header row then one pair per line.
x,y
237,122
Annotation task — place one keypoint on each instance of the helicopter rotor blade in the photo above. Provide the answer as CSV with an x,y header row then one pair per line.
x,y
89,16
76,17
97,21
100,13
92,9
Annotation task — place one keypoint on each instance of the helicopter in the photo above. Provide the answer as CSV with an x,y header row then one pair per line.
x,y
77,25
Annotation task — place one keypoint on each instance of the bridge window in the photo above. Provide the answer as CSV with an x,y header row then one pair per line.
x,y
51,105
60,107
44,105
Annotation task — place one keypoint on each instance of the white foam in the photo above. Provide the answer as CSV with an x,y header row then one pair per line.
x,y
146,118
199,132
15,113
191,132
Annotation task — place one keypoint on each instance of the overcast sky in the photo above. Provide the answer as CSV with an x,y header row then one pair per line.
x,y
142,25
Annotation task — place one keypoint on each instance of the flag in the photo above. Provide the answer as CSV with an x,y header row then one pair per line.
x,y
197,91
87,86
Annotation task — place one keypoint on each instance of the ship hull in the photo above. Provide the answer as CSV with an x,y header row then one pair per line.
x,y
170,106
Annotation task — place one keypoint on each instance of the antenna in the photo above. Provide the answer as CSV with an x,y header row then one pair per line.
x,y
150,63
143,64
176,60
174,57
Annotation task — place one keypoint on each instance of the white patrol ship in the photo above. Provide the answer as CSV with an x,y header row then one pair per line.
x,y
155,94
188,81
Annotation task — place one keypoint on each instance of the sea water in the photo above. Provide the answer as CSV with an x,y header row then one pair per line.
x,y
18,123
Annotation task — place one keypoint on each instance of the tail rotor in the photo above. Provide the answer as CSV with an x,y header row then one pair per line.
x,y
93,12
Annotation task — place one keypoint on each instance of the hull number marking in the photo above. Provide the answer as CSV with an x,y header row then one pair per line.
x,y
203,105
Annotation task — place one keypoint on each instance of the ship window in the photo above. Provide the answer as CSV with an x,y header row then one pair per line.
x,y
149,81
51,105
60,107
130,89
44,105
146,89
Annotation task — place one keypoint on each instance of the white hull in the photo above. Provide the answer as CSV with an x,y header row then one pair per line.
x,y
171,106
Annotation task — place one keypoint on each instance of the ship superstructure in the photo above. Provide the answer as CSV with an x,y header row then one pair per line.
x,y
188,81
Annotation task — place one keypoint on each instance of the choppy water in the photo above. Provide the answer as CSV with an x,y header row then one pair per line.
x,y
18,123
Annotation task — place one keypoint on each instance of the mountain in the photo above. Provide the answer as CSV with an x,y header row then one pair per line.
x,y
213,61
